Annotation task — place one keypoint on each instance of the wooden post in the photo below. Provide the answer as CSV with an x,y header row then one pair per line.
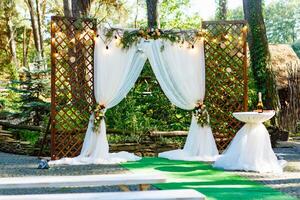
x,y
245,70
53,90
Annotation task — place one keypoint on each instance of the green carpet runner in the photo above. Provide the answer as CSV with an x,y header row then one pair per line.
x,y
215,184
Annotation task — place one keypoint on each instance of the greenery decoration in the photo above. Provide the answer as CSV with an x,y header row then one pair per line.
x,y
127,38
130,37
98,116
201,114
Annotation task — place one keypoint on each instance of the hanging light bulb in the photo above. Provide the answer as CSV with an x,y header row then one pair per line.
x,y
82,35
245,28
106,47
56,55
53,26
59,33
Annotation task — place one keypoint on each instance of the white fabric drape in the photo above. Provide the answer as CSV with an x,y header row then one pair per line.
x,y
116,70
180,72
251,149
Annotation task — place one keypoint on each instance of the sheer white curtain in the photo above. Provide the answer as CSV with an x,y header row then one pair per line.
x,y
180,72
116,70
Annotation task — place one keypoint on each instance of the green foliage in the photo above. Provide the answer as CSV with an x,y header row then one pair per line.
x,y
129,38
8,105
296,47
172,15
235,14
77,119
34,91
221,12
27,135
280,20
146,108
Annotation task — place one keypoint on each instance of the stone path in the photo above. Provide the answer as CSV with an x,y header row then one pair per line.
x,y
18,165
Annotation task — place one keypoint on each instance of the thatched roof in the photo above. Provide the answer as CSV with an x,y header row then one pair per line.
x,y
282,56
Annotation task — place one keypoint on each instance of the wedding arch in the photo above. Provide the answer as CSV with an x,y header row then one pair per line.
x,y
72,48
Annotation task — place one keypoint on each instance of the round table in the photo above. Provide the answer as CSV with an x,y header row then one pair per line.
x,y
251,149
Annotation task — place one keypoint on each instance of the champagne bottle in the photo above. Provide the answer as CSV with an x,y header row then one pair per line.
x,y
259,104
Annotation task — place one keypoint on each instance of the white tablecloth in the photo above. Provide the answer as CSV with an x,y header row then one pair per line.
x,y
251,150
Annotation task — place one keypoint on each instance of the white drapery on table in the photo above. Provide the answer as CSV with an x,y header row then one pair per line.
x,y
181,73
251,149
116,70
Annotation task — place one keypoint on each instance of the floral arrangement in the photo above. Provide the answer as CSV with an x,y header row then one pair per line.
x,y
201,114
98,116
128,38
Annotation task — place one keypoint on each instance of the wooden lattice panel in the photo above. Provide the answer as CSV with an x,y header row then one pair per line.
x,y
72,55
226,77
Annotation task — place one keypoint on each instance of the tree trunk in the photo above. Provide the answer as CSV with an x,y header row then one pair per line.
x,y
258,45
68,8
26,44
8,12
152,14
77,8
221,13
35,28
24,47
38,15
12,42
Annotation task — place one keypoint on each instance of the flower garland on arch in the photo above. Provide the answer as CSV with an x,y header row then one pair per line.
x,y
127,38
201,114
99,114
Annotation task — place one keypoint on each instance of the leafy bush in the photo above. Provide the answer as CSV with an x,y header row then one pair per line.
x,y
296,47
146,108
8,103
27,135
34,91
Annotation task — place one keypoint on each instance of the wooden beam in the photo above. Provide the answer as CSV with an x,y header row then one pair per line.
x,y
18,126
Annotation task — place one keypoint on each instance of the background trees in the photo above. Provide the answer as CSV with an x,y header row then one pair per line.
x,y
221,11
281,18
258,43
